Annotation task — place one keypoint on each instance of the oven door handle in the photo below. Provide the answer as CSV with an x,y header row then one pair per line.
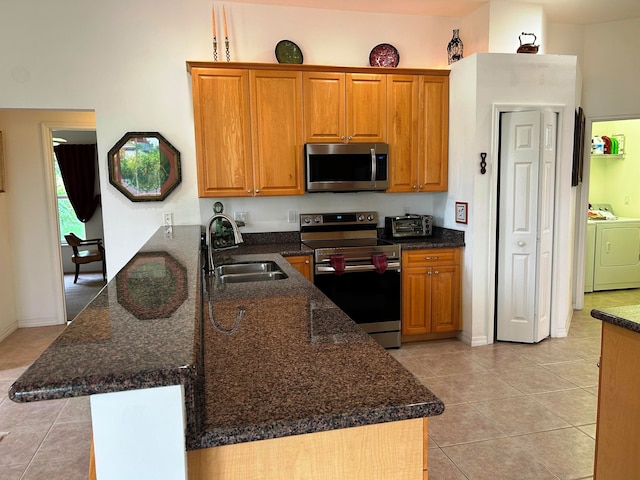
x,y
327,269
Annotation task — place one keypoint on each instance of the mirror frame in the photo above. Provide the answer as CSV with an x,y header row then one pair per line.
x,y
171,153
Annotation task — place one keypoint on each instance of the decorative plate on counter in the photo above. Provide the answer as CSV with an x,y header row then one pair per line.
x,y
288,52
384,55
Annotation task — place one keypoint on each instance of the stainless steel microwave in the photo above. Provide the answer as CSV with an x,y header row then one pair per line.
x,y
347,167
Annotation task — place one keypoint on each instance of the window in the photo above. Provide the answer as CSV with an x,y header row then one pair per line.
x,y
66,216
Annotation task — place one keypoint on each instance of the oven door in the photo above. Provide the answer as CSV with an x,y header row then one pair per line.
x,y
371,299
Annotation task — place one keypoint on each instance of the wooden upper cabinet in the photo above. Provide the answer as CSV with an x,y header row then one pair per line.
x,y
433,152
222,131
248,127
403,111
418,119
252,121
276,132
344,107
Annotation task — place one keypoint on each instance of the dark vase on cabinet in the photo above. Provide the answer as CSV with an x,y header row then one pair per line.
x,y
455,47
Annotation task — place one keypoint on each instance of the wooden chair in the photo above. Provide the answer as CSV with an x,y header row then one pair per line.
x,y
80,257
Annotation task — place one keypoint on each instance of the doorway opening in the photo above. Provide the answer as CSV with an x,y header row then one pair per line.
x,y
75,295
608,261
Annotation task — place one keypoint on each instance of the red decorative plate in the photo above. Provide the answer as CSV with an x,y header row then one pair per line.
x,y
384,55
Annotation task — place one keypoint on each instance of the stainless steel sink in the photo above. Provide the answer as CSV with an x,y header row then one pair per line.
x,y
249,272
252,277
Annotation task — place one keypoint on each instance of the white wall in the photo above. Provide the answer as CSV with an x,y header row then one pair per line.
x,y
509,20
32,236
8,322
505,81
126,62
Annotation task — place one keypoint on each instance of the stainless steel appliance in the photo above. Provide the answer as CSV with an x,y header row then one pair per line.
x,y
346,167
358,271
408,225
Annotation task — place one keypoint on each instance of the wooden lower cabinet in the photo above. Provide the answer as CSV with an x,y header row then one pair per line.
x,y
303,264
385,451
431,293
617,453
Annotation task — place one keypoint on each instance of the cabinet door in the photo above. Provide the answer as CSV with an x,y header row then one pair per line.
x,y
402,121
276,132
222,132
434,130
445,299
416,300
324,107
302,263
366,107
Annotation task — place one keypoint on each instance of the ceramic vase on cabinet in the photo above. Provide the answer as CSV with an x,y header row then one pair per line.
x,y
454,49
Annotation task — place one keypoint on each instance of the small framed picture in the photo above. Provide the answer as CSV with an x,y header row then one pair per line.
x,y
461,212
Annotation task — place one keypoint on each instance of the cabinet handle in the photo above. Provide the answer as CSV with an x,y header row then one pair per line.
x,y
249,191
420,187
415,187
342,138
521,243
350,138
437,272
431,258
307,262
429,272
257,190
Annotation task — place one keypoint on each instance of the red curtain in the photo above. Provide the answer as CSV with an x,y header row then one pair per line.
x,y
78,168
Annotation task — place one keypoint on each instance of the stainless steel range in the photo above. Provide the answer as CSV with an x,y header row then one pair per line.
x,y
358,271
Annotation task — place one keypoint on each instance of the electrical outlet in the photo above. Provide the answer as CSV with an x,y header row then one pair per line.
x,y
293,216
168,219
241,217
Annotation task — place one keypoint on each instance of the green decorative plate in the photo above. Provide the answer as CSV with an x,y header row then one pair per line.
x,y
288,52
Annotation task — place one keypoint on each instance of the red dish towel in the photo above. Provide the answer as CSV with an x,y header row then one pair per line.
x,y
338,263
380,261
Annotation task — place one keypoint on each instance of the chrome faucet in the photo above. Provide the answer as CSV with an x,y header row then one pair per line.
x,y
237,237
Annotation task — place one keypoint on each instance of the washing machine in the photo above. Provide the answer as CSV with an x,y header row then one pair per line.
x,y
614,245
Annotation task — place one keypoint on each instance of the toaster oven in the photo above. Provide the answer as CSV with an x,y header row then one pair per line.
x,y
408,225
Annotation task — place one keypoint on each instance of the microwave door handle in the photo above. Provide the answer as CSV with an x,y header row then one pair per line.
x,y
374,167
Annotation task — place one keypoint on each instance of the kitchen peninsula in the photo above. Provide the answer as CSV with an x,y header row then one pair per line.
x,y
181,382
618,422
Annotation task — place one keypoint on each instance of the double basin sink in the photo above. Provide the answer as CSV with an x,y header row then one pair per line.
x,y
249,272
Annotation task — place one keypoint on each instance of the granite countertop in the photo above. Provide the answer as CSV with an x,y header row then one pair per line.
x,y
626,317
137,333
440,238
294,364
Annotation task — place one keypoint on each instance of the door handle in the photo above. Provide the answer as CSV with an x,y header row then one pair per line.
x,y
521,243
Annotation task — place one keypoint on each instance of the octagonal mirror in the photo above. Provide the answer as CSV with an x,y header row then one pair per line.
x,y
144,166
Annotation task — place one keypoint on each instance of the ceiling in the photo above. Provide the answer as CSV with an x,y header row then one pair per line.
x,y
581,12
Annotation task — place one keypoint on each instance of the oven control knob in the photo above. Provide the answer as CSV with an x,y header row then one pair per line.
x,y
318,219
361,218
370,217
306,219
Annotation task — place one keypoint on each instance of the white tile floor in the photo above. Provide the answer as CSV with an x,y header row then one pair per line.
x,y
513,411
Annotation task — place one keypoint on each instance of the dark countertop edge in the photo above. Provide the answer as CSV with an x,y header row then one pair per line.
x,y
288,244
231,436
90,385
620,316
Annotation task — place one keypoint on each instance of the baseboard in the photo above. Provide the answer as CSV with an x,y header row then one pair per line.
x,y
39,322
473,341
8,330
